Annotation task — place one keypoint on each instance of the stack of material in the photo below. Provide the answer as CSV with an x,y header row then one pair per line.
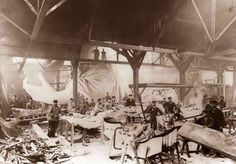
x,y
29,115
30,147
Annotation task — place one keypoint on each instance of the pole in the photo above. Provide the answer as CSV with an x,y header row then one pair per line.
x,y
75,64
135,83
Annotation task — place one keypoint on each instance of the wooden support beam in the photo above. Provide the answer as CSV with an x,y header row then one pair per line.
x,y
223,53
40,18
203,23
14,24
31,7
226,28
174,61
222,58
55,7
135,59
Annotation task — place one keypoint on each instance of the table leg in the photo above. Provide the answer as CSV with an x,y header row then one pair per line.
x,y
72,134
67,130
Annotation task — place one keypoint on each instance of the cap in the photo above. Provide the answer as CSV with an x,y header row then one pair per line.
x,y
55,101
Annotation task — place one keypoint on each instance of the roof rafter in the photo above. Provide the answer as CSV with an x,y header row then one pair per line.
x,y
31,7
55,7
40,18
14,24
203,23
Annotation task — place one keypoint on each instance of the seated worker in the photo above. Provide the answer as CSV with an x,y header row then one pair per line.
x,y
92,103
177,115
208,121
179,104
130,102
108,97
154,111
218,116
99,106
113,101
208,106
71,105
30,104
222,103
14,103
169,106
108,105
53,118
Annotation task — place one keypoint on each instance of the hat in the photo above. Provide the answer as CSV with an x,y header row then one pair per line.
x,y
153,101
55,101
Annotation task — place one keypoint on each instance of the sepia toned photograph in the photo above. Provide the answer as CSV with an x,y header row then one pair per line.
x,y
117,82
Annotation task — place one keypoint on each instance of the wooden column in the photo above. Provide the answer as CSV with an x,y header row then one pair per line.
x,y
135,59
75,64
182,64
4,106
220,79
136,82
182,80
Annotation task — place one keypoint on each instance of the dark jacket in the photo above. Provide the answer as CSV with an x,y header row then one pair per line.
x,y
219,120
130,102
222,104
169,107
153,111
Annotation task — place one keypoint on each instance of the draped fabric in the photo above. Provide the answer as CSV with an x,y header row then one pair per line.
x,y
93,82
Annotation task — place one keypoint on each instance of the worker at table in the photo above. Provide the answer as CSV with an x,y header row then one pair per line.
x,y
222,103
130,102
207,121
217,115
30,104
53,118
169,106
71,105
99,106
154,111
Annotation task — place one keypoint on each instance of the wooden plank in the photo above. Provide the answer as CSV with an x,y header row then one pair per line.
x,y
41,134
173,85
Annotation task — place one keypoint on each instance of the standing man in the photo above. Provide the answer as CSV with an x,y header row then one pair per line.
x,y
130,102
104,55
154,111
96,53
169,106
53,118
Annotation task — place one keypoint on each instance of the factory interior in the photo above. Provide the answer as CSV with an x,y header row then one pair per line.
x,y
117,82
